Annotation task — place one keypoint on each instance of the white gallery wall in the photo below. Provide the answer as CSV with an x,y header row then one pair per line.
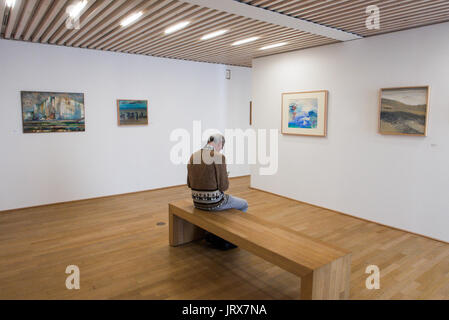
x,y
107,159
401,181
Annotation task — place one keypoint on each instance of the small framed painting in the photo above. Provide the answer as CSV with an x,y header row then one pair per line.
x,y
305,113
132,112
403,111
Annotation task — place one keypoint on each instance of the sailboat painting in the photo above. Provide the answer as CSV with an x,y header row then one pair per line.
x,y
52,112
304,113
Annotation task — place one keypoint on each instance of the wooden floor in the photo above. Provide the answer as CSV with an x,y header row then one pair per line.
x,y
123,253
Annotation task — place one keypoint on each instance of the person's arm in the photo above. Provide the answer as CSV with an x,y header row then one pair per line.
x,y
222,175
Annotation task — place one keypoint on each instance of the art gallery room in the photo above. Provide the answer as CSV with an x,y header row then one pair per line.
x,y
326,124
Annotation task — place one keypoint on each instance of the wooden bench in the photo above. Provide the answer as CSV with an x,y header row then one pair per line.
x,y
323,268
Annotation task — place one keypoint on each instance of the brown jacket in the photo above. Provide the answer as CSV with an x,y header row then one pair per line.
x,y
207,177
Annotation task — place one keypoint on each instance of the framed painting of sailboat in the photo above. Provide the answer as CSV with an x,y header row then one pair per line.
x,y
304,113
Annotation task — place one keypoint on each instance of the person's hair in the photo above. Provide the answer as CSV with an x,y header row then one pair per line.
x,y
216,138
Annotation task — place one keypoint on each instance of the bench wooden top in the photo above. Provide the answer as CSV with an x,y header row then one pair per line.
x,y
289,249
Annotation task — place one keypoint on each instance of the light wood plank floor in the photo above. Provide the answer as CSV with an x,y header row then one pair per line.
x,y
123,254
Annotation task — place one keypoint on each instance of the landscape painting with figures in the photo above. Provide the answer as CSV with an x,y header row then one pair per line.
x,y
132,112
52,112
305,113
404,111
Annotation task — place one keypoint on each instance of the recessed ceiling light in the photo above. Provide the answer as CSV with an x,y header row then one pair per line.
x,y
75,10
214,34
274,46
245,41
10,3
127,21
176,27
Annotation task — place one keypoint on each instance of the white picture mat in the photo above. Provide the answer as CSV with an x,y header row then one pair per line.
x,y
321,96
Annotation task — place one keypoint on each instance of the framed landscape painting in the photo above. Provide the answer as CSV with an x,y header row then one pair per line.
x,y
132,112
305,113
403,111
52,112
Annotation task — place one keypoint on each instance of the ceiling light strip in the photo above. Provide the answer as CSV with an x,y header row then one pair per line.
x,y
214,34
177,27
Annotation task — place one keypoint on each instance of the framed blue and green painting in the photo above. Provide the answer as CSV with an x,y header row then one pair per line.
x,y
305,113
52,112
132,112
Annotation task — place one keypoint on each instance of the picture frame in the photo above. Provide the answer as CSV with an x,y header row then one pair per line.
x,y
304,113
250,113
48,111
132,112
404,110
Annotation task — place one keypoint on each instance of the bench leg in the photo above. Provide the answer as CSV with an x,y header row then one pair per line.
x,y
307,287
181,231
330,282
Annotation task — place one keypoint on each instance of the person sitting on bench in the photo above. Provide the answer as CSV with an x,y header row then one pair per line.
x,y
208,179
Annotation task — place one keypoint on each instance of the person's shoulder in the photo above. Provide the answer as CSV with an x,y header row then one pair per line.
x,y
219,158
195,155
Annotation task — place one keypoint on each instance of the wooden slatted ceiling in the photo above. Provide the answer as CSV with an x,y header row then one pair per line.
x,y
44,21
350,15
